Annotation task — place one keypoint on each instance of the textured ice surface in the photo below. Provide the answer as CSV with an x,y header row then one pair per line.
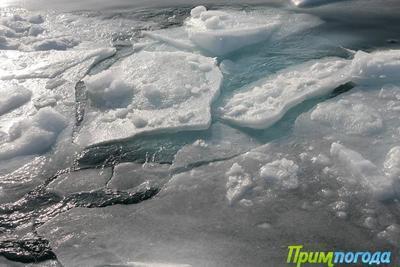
x,y
260,212
283,172
392,163
350,117
376,68
220,32
33,135
151,91
12,96
361,168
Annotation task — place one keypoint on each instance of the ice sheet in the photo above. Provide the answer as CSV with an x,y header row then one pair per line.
x,y
151,92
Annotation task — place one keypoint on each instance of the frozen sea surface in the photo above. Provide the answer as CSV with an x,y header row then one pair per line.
x,y
153,133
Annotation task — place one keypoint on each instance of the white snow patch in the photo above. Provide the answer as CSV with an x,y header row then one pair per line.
x,y
33,135
107,89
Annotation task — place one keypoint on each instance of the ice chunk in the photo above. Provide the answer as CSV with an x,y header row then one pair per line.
x,y
377,67
350,117
80,181
307,3
238,183
36,19
171,91
359,167
392,163
54,43
12,96
33,135
282,172
8,44
6,31
263,103
35,30
107,89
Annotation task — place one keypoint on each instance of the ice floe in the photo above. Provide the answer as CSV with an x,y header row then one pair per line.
x,y
151,91
220,32
266,101
263,103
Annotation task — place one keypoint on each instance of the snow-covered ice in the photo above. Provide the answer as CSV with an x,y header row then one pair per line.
x,y
149,92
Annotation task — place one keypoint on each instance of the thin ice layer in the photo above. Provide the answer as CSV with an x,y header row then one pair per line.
x,y
150,91
46,64
264,102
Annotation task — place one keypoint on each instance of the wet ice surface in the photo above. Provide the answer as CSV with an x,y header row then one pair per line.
x,y
210,136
